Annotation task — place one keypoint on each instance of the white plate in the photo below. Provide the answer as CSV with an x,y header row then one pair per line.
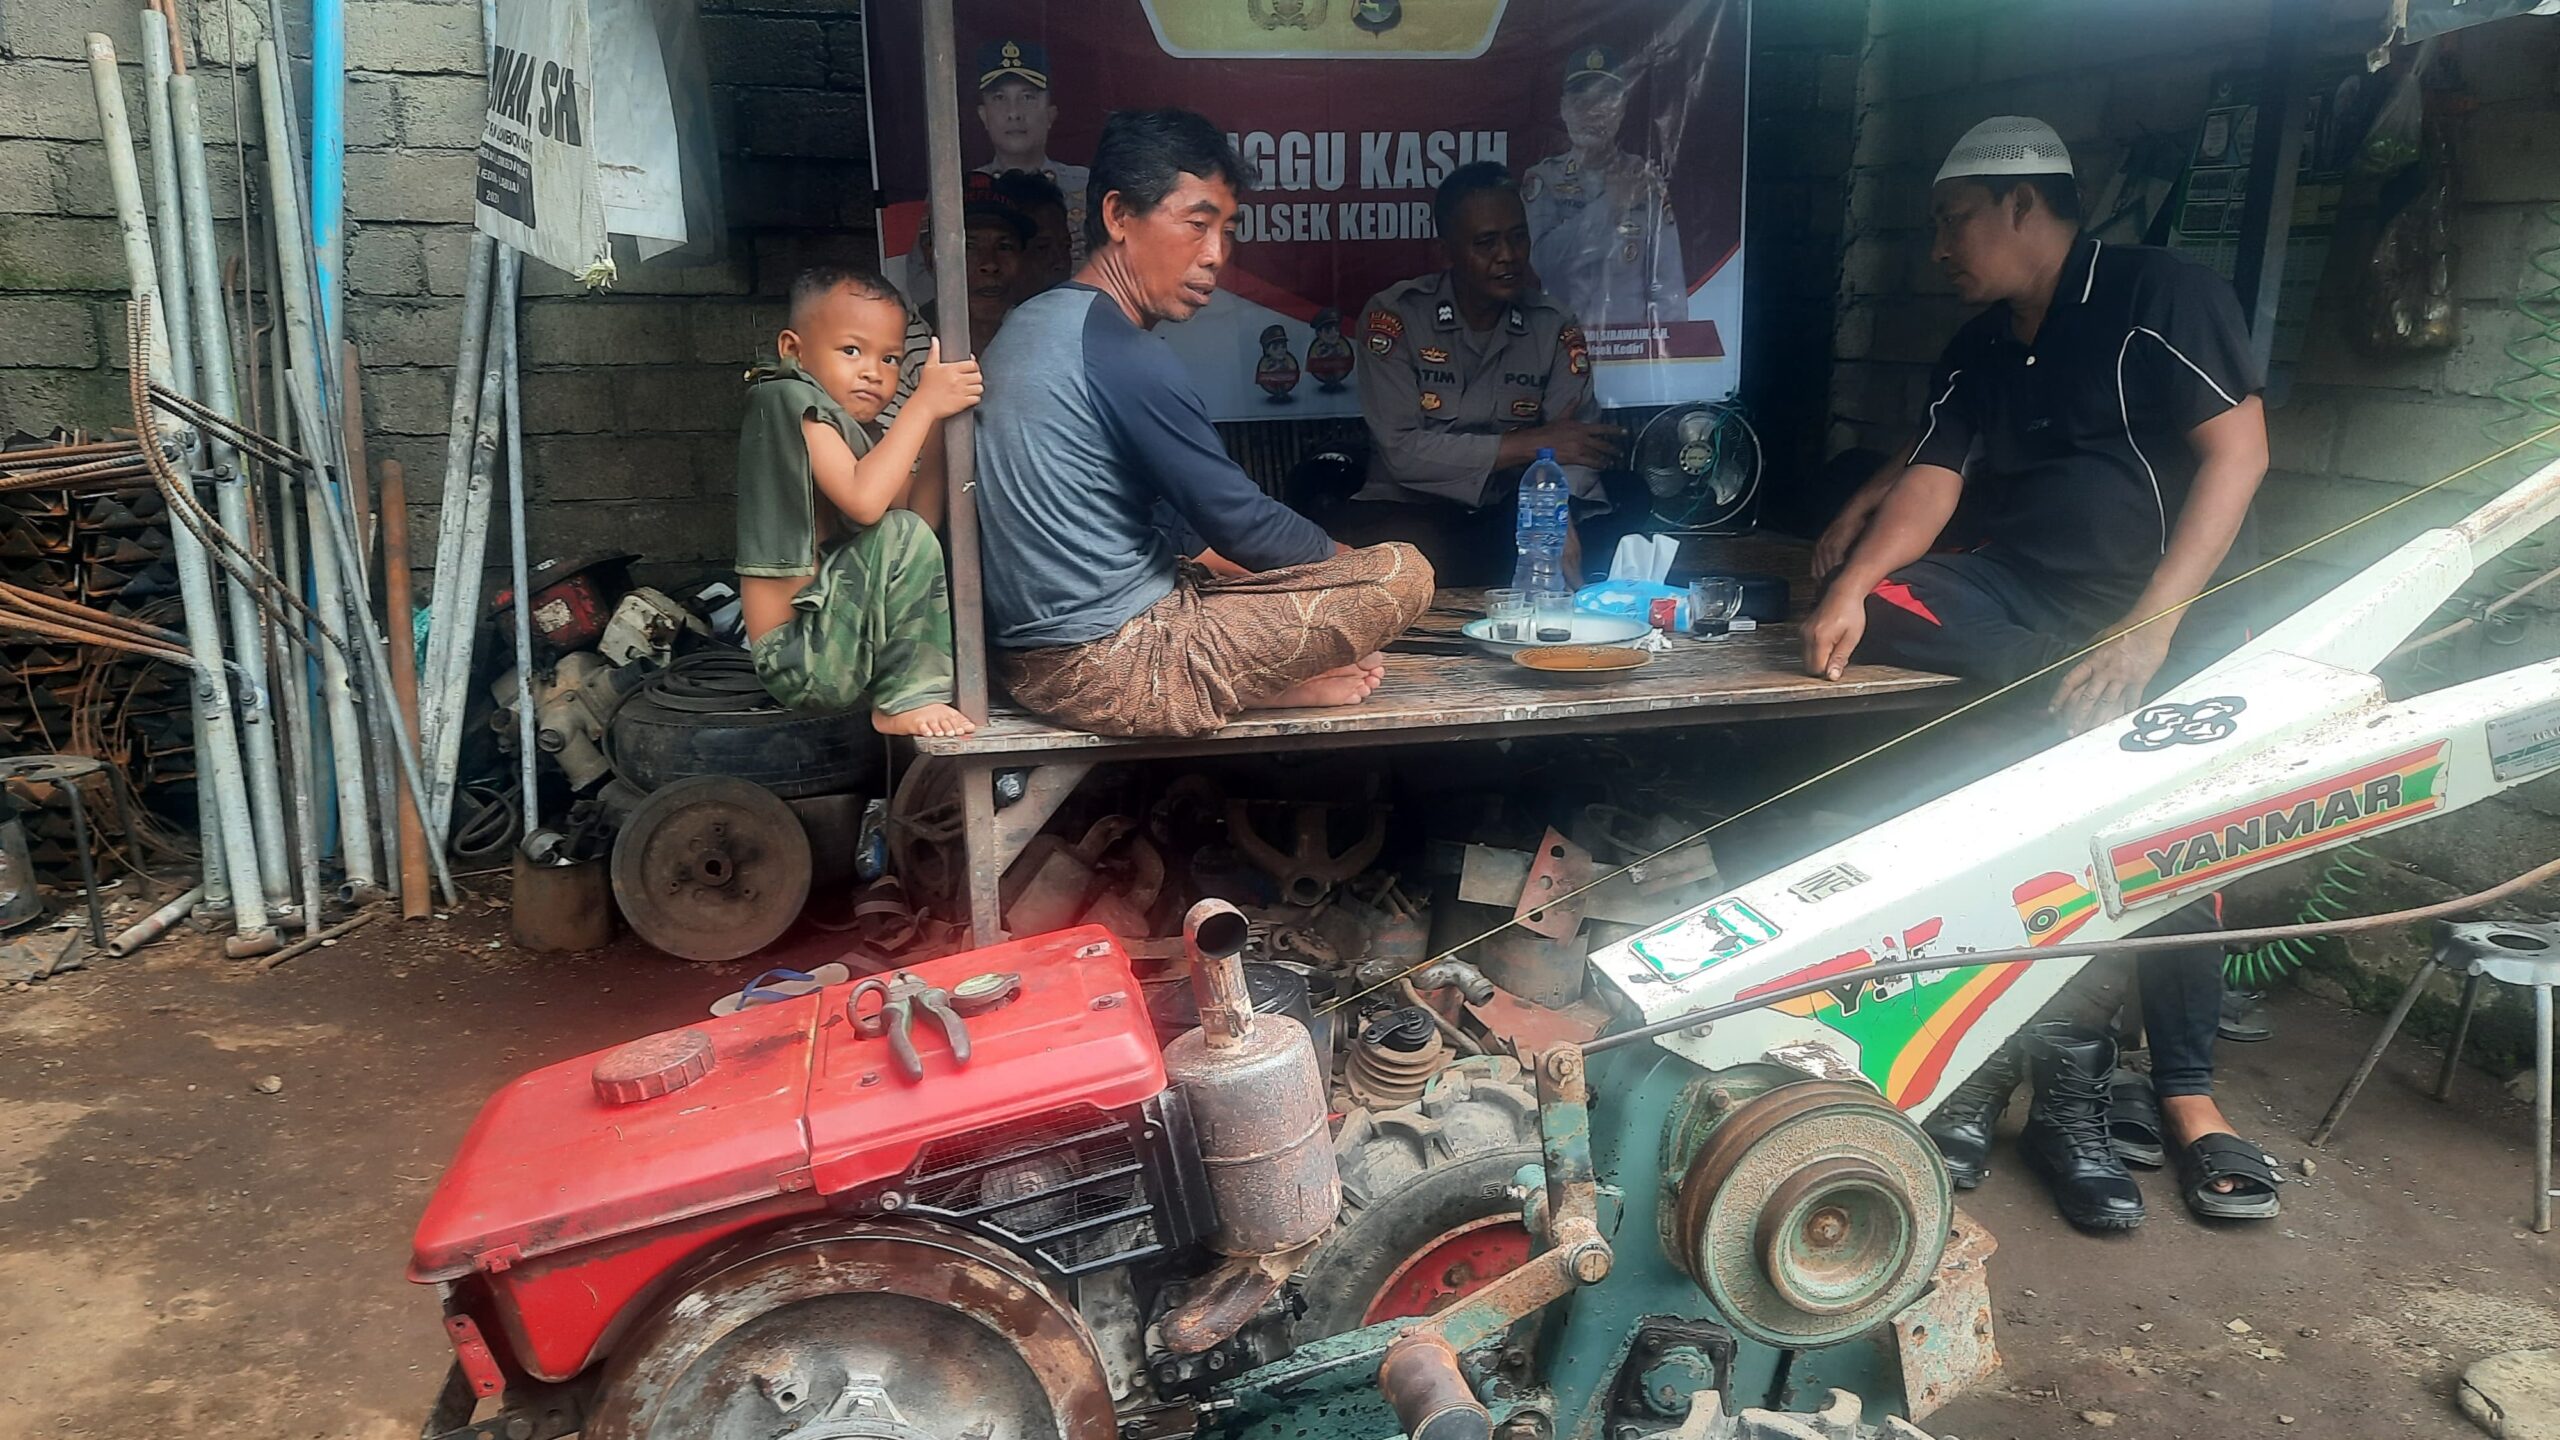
x,y
1587,630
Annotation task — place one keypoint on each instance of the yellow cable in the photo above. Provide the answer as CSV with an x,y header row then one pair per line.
x,y
1926,726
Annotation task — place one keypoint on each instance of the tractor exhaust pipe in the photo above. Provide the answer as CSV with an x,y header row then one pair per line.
x,y
1257,1098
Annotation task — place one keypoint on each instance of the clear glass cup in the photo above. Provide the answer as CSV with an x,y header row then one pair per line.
x,y
1509,611
1555,617
1713,602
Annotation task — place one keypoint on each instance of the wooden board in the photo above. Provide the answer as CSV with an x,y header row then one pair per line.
x,y
1425,698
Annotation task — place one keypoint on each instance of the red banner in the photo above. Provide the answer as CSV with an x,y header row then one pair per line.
x,y
1622,119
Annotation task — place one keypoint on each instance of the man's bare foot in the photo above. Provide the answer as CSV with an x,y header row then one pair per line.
x,y
923,720
1374,662
2190,1118
1327,691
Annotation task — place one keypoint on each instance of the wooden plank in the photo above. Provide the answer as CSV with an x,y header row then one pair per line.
x,y
1698,682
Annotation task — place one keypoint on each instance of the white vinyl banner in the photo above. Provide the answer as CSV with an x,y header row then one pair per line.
x,y
538,188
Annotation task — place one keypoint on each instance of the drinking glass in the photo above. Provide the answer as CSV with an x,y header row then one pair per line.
x,y
1713,602
1509,612
1555,617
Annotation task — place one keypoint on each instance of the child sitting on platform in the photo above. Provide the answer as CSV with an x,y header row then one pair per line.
x,y
839,570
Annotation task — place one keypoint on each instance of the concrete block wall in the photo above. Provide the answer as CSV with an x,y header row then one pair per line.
x,y
631,398
2348,432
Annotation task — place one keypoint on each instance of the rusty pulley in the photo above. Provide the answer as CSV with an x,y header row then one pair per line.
x,y
711,868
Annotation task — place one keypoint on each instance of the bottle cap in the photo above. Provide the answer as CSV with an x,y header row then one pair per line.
x,y
1546,452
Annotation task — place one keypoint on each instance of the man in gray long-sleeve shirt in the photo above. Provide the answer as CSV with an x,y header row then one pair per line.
x,y
1468,374
1094,450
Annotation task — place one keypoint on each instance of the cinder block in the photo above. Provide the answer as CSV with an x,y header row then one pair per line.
x,y
30,176
442,112
696,397
215,34
1927,60
730,274
421,459
2526,144
806,125
781,255
763,50
674,535
373,112
610,467
414,38
38,400
2293,509
408,401
765,192
59,29
737,333
569,402
1915,329
446,250
52,101
384,260
55,333
1876,265
844,53
433,185
46,252
2413,442
2489,250
2302,433
397,333
2479,363
603,331
1836,83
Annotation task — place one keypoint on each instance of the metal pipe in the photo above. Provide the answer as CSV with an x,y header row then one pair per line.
x,y
167,246
461,424
516,554
218,757
404,677
302,341
230,492
154,925
951,279
449,688
293,673
318,938
329,159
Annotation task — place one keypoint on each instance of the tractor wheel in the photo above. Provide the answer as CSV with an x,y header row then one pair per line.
x,y
1427,1210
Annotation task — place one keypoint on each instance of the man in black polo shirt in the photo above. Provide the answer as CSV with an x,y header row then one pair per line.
x,y
2107,402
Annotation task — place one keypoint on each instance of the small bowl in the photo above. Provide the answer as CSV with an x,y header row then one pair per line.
x,y
1587,630
1582,662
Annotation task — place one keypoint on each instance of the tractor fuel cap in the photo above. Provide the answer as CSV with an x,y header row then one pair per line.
x,y
981,993
657,1065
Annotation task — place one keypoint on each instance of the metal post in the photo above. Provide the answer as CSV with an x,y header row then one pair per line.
x,y
951,277
294,671
445,613
2364,1068
219,758
302,340
2541,1109
329,159
394,495
231,493
2461,1032
450,688
514,402
167,245
2266,211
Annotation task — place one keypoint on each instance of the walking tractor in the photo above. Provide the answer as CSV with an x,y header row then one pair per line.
x,y
979,1200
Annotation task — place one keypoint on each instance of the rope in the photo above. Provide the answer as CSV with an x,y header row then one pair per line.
x,y
1927,725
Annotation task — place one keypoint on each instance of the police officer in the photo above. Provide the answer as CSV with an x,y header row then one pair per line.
x,y
1015,105
1468,374
1605,241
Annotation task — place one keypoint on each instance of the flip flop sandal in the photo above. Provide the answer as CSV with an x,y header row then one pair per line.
x,y
777,985
2228,1157
2133,1121
2244,1017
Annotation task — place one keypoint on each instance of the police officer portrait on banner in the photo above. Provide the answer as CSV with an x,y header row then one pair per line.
x,y
1464,375
1017,108
1604,241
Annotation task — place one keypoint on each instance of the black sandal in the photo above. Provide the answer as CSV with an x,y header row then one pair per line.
x,y
2228,1157
2133,1121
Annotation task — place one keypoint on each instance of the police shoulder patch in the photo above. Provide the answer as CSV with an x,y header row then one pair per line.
x,y
1384,327
1577,353
1430,399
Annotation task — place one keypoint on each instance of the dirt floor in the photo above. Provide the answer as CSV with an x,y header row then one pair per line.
x,y
182,1253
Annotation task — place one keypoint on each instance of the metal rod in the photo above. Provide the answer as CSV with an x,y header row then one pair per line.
x,y
218,756
328,161
294,675
951,279
450,688
2373,1055
302,340
230,493
445,614
2541,1109
83,842
404,677
355,498
167,246
318,938
154,925
2461,1032
514,402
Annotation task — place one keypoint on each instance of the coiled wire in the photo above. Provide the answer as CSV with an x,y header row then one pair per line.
x,y
2333,896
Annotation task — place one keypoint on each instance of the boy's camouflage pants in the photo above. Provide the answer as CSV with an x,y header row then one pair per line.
x,y
873,628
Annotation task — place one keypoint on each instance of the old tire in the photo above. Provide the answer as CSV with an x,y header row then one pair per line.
x,y
708,714
1427,1213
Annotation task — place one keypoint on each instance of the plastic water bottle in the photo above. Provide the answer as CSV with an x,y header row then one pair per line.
x,y
1539,535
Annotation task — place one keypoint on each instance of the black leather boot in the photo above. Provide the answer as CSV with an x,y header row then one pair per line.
x,y
1962,1127
2065,1139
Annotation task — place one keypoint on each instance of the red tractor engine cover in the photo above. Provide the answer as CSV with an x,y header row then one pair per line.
x,y
582,1184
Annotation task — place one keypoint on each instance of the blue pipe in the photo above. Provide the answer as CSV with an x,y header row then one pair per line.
x,y
329,159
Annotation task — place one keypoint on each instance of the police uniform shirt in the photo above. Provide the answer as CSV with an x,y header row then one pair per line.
x,y
1438,396
2082,434
1603,241
1071,181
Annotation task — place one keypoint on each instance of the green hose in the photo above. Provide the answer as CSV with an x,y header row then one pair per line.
x,y
2332,898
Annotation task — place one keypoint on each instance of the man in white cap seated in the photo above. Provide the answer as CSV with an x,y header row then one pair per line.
x,y
2105,405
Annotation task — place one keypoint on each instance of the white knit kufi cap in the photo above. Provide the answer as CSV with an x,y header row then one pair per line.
x,y
2007,145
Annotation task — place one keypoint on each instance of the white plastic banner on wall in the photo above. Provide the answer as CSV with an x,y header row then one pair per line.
x,y
538,187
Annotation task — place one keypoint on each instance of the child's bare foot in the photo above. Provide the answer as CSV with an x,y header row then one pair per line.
x,y
1375,662
1327,691
923,720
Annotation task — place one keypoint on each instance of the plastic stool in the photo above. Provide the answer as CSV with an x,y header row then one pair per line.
x,y
2527,956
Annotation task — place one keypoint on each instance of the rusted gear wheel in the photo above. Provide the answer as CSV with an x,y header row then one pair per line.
x,y
1427,1216
711,868
857,1330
